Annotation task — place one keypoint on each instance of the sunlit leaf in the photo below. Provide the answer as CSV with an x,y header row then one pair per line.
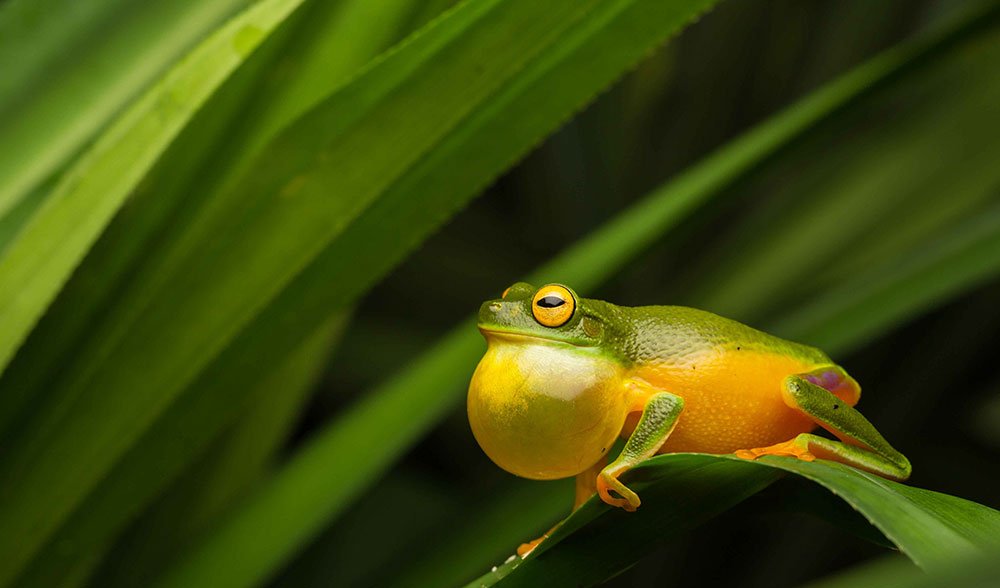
x,y
36,263
69,67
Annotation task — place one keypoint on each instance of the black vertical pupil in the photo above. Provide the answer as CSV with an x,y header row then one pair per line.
x,y
551,301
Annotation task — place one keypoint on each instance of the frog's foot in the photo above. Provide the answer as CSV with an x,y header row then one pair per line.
x,y
608,481
525,548
794,448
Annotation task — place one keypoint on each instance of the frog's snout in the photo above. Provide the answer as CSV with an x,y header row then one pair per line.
x,y
489,311
499,313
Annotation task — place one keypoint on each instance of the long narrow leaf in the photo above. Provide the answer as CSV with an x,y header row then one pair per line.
x,y
968,255
69,67
220,479
836,208
969,572
72,554
329,43
36,264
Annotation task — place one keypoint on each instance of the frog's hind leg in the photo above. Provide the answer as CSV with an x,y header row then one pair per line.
x,y
860,445
586,482
586,486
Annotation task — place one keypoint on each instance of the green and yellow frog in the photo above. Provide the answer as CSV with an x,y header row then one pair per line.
x,y
563,377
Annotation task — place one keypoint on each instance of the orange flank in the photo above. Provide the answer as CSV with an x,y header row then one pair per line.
x,y
732,400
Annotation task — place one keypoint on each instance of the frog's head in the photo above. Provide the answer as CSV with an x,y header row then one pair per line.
x,y
547,400
552,312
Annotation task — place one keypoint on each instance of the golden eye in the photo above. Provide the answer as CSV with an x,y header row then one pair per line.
x,y
505,292
553,305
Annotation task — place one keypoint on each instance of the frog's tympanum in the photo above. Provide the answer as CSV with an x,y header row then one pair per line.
x,y
563,377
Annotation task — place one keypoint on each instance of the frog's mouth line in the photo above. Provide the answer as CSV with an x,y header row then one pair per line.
x,y
519,335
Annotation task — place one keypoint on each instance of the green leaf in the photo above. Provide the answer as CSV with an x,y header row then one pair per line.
x,y
323,45
35,265
966,255
223,475
682,490
322,50
835,208
968,572
69,67
286,76
80,544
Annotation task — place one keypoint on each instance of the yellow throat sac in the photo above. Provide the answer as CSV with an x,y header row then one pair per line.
x,y
542,409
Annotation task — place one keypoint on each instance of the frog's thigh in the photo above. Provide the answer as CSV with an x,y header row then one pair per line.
x,y
586,482
860,444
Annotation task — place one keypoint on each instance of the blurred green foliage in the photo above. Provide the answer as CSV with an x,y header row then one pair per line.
x,y
219,229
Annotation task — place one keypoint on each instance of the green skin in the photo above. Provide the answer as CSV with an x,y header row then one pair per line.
x,y
641,335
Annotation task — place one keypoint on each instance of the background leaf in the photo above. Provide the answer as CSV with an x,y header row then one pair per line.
x,y
66,76
34,265
310,58
974,572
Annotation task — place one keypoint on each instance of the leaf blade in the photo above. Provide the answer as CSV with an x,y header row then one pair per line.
x,y
34,265
65,77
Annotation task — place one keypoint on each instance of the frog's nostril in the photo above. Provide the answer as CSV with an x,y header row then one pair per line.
x,y
495,307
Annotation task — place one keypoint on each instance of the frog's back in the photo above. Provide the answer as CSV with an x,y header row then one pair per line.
x,y
729,374
667,334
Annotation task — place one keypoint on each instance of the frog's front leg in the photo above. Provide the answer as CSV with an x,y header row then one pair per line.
x,y
860,445
659,417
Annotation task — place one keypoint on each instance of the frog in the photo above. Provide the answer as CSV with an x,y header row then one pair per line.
x,y
564,377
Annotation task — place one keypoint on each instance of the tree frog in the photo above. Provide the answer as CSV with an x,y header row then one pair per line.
x,y
563,377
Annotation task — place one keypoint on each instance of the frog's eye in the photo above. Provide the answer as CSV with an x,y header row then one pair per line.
x,y
505,292
553,305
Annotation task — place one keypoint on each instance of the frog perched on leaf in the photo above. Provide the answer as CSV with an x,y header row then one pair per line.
x,y
563,377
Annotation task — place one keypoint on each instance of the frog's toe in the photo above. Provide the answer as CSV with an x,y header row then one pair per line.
x,y
626,499
619,503
525,548
793,448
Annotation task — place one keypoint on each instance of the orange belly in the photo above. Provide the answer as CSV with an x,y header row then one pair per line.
x,y
732,400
